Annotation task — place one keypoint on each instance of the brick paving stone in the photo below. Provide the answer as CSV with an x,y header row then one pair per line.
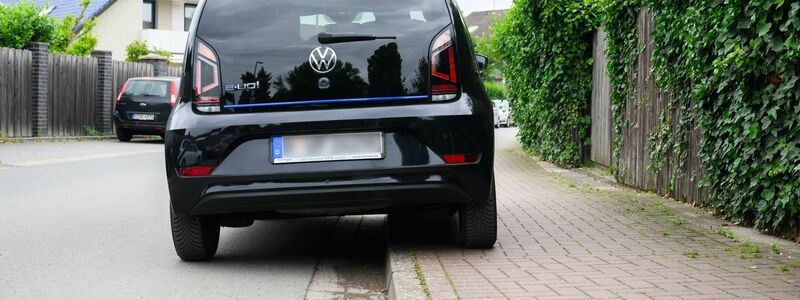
x,y
561,242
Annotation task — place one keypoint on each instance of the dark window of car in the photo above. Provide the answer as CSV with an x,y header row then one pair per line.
x,y
283,33
149,14
147,88
188,13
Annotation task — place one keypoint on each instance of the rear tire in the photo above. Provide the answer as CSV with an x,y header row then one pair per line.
x,y
124,135
195,237
478,223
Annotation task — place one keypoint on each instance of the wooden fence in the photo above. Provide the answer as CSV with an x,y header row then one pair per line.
x,y
71,95
71,90
15,77
174,72
643,111
601,103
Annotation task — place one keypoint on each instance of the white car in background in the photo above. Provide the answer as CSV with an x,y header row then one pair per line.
x,y
496,115
502,113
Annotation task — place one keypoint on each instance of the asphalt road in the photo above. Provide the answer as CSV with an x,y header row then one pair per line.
x,y
91,220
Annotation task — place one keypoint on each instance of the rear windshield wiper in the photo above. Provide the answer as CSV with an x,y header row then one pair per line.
x,y
333,38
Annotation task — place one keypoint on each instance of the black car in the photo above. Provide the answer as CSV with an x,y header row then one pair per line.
x,y
144,105
294,108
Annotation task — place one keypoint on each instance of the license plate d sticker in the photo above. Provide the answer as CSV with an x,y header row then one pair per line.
x,y
327,147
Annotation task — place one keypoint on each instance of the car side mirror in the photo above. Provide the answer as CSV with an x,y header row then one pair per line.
x,y
483,61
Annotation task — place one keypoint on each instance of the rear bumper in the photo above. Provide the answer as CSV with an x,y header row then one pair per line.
x,y
245,181
141,127
360,191
351,193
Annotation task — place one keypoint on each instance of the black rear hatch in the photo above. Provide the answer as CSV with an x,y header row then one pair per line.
x,y
279,55
146,100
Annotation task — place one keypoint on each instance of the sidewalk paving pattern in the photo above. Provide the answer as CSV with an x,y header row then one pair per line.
x,y
558,240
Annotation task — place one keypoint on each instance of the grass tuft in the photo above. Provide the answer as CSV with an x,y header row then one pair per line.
x,y
691,254
420,275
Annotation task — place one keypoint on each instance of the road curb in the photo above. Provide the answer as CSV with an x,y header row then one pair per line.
x,y
401,278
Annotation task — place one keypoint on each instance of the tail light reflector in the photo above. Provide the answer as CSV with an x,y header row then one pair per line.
x,y
206,79
122,91
444,80
452,159
196,171
173,94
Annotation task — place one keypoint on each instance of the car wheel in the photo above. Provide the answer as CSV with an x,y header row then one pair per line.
x,y
195,237
478,223
124,135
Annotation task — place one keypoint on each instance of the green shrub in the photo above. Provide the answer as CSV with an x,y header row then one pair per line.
x,y
21,24
544,47
137,49
496,91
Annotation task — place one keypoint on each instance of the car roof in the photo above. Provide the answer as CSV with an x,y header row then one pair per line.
x,y
162,78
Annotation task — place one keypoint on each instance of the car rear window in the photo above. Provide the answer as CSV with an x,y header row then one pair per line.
x,y
270,42
147,88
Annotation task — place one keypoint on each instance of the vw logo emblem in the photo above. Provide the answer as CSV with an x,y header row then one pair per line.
x,y
322,59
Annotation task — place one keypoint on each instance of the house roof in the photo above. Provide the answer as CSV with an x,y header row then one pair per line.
x,y
480,22
64,8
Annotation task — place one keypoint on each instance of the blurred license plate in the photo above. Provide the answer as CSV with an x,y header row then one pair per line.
x,y
143,117
327,147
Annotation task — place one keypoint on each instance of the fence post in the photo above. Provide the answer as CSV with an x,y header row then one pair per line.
x,y
158,62
105,74
40,76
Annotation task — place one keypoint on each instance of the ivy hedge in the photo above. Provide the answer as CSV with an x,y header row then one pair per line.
x,y
545,46
731,66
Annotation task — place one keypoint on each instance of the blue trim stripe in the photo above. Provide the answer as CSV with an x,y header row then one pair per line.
x,y
351,100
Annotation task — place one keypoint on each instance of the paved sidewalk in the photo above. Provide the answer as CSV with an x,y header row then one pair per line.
x,y
562,240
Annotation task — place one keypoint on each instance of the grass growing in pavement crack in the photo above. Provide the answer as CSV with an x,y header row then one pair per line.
x,y
447,276
775,248
420,275
748,248
727,233
691,254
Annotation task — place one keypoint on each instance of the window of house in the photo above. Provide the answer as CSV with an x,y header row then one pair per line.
x,y
149,14
188,13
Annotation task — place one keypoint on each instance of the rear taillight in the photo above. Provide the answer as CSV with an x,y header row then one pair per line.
x,y
173,94
454,159
444,81
122,91
206,79
196,171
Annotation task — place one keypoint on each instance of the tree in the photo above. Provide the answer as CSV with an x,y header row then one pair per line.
x,y
483,46
73,35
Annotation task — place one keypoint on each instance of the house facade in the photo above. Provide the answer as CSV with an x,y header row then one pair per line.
x,y
480,22
163,24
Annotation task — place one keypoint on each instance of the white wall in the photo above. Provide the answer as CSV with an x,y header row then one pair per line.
x,y
121,24
118,26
